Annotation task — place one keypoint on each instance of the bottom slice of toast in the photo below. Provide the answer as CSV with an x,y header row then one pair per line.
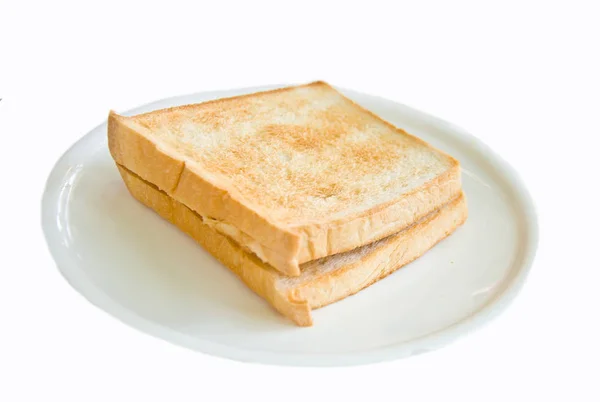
x,y
322,281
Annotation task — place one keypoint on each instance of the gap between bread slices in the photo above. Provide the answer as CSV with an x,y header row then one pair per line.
x,y
322,281
293,174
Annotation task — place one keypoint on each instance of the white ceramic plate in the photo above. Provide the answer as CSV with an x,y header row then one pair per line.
x,y
130,263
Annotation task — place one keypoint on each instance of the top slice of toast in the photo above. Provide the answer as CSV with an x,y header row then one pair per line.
x,y
293,174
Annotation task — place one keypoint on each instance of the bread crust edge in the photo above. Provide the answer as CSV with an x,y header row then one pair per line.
x,y
296,303
286,247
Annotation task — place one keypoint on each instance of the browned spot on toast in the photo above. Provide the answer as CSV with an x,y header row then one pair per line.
x,y
303,154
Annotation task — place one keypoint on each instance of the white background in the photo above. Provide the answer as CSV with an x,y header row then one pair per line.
x,y
523,76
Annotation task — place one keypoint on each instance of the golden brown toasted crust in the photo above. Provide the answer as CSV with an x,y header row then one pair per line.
x,y
322,282
290,211
254,273
178,179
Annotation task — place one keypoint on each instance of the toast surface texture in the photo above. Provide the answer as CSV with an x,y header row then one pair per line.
x,y
293,174
322,281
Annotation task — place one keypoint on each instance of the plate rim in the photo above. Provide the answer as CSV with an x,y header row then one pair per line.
x,y
478,319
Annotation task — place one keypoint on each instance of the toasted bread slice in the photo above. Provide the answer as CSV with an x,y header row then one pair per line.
x,y
293,174
322,281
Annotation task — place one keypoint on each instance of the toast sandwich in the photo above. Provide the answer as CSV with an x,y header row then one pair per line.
x,y
322,281
292,175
